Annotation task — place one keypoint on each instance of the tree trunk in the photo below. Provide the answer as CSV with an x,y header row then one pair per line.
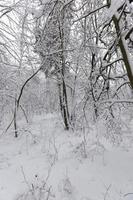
x,y
123,47
15,119
124,51
63,94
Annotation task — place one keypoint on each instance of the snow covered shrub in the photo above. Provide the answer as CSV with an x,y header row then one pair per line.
x,y
114,130
51,149
114,127
90,151
65,186
38,193
66,189
89,145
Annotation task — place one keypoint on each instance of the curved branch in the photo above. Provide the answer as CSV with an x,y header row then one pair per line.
x,y
22,89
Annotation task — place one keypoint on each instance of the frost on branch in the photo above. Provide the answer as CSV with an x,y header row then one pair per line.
x,y
115,5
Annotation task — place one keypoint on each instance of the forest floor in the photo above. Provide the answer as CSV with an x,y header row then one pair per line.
x,y
63,165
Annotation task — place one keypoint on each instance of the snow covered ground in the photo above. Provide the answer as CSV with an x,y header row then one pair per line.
x,y
72,169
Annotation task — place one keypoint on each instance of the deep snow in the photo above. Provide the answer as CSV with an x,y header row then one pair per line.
x,y
44,150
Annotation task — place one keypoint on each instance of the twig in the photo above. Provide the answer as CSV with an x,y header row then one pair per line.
x,y
22,170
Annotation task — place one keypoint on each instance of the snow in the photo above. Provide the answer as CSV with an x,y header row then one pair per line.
x,y
129,196
130,6
46,151
115,5
37,12
128,54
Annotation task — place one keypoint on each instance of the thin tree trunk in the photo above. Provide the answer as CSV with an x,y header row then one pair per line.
x,y
15,120
63,97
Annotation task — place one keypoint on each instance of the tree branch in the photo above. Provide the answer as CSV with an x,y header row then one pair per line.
x,y
92,12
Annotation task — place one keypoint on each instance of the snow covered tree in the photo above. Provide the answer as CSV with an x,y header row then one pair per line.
x,y
121,14
52,42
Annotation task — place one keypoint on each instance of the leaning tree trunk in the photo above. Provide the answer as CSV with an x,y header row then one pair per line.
x,y
63,95
123,47
63,104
